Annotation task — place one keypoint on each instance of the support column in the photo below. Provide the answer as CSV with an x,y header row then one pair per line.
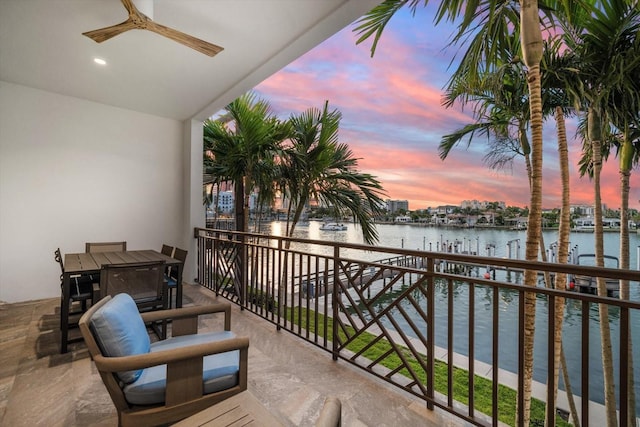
x,y
193,210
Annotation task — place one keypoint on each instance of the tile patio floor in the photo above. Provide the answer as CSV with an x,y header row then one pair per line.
x,y
40,387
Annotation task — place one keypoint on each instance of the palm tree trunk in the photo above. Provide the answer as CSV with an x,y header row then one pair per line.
x,y
532,53
296,217
567,385
624,231
241,224
533,236
560,362
527,163
288,223
563,254
245,200
595,135
216,210
238,200
626,157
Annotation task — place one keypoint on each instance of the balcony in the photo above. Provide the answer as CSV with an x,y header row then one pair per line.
x,y
447,328
317,313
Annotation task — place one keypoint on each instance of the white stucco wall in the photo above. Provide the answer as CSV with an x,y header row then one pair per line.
x,y
73,171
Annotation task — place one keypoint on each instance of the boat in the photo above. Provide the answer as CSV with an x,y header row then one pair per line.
x,y
333,226
588,284
583,228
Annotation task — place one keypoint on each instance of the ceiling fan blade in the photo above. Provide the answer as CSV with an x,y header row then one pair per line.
x,y
202,46
131,8
108,32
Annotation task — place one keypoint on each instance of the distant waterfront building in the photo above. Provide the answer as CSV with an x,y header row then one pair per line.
x,y
445,209
498,205
226,202
587,223
477,205
472,204
402,218
584,210
397,205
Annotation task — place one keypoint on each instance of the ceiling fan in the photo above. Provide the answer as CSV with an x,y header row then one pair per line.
x,y
140,21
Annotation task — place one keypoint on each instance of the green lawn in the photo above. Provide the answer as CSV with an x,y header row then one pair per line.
x,y
482,386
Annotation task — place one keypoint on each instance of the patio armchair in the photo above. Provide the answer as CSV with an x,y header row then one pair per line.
x,y
165,381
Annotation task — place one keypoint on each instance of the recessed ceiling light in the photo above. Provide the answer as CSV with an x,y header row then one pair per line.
x,y
99,61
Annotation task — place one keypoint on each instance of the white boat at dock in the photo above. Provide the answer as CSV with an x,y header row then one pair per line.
x,y
333,226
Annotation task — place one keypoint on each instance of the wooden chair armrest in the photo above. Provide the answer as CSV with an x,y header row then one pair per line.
x,y
331,413
141,361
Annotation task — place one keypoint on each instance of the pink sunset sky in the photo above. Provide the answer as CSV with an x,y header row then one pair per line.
x,y
393,121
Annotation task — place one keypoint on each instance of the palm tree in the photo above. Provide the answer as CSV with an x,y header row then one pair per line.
x,y
501,112
605,43
243,153
627,140
214,175
626,118
501,108
558,71
629,155
498,19
316,166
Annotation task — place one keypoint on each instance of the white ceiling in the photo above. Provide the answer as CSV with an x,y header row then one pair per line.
x,y
42,46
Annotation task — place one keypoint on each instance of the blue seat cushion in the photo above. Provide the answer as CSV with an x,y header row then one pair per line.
x,y
220,371
120,331
170,281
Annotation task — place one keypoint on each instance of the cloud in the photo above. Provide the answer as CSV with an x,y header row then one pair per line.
x,y
393,120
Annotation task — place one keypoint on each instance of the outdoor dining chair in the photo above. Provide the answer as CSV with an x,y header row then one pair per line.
x,y
171,279
105,246
81,288
163,382
143,281
166,250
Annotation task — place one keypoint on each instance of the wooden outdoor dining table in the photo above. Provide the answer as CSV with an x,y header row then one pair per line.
x,y
91,263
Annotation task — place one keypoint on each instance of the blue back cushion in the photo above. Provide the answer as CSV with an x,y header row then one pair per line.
x,y
120,331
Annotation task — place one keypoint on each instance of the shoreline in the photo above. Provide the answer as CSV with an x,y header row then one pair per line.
x,y
498,227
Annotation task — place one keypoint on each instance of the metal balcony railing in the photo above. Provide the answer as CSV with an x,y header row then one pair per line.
x,y
447,328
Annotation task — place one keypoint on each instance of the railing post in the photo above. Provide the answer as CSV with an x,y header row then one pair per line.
x,y
280,274
521,338
244,263
214,270
624,366
199,275
584,365
334,304
551,361
431,345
